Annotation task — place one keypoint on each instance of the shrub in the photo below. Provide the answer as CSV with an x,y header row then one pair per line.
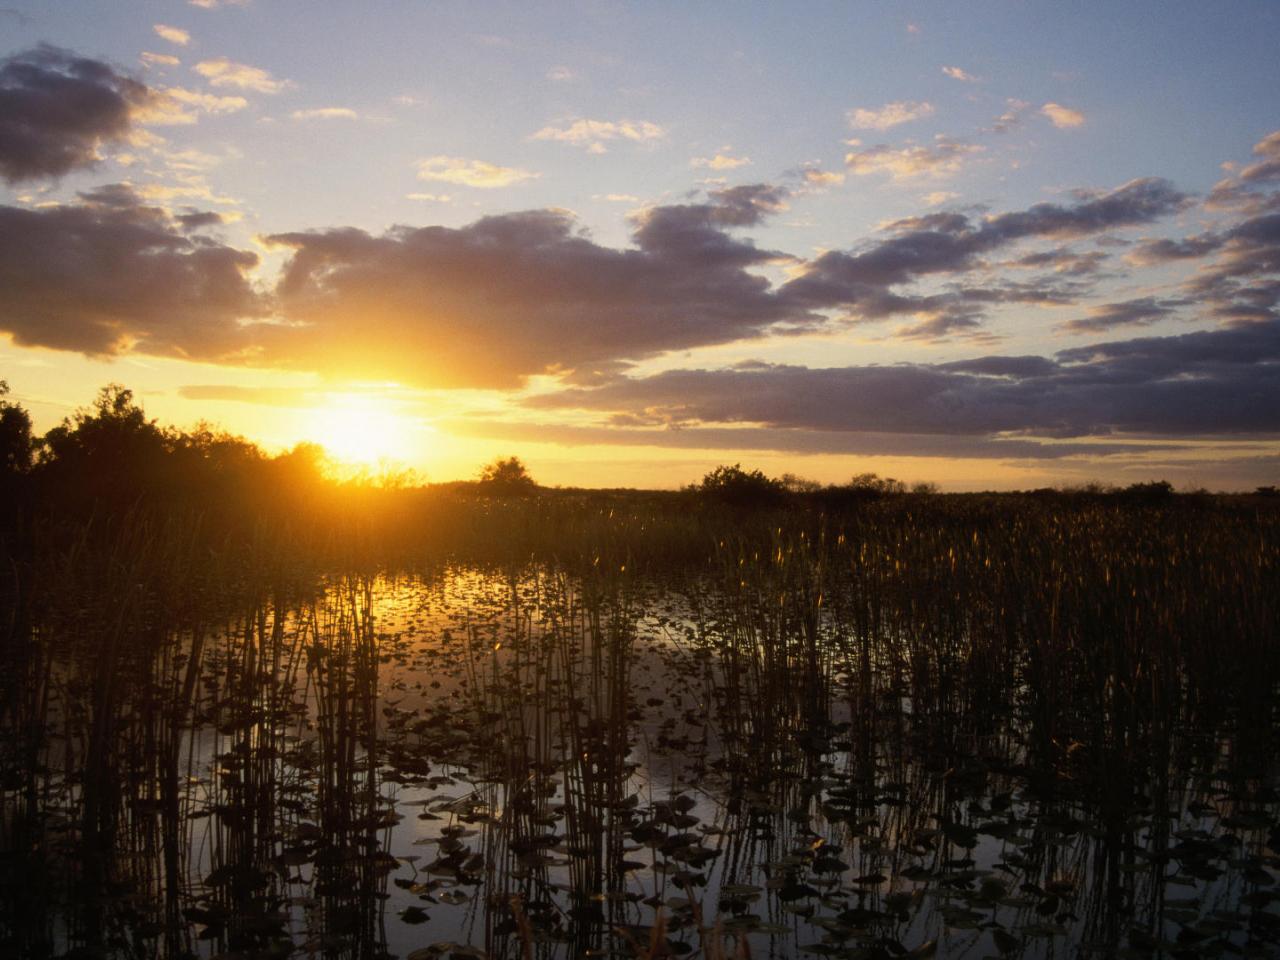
x,y
739,487
507,478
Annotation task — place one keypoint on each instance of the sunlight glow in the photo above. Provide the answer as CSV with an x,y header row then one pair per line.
x,y
362,430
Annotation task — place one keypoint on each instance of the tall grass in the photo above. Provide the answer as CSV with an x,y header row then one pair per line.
x,y
205,732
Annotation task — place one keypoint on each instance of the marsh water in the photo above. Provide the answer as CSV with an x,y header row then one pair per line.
x,y
781,754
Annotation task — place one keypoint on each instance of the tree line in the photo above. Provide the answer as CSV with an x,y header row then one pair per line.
x,y
110,457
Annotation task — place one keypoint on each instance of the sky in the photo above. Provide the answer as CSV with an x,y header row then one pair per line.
x,y
988,245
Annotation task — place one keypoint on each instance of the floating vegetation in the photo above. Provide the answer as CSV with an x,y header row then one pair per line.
x,y
914,729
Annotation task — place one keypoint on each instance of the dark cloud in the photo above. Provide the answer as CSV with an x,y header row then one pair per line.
x,y
508,296
695,232
488,304
1267,168
949,321
57,109
1020,368
1204,354
747,205
1239,281
1246,191
199,219
1210,383
861,282
1242,284
1064,261
1136,202
639,431
121,196
1165,251
1139,312
111,274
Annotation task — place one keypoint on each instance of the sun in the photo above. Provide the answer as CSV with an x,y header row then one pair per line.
x,y
361,430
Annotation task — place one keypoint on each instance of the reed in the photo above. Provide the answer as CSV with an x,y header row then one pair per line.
x,y
898,726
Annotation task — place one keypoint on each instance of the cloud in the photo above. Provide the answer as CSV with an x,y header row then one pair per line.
x,y
1211,384
1242,283
1140,312
214,4
938,197
109,274
1012,117
158,59
1062,117
177,105
816,177
221,72
890,115
1238,278
189,187
1137,202
173,34
509,296
863,282
1064,261
325,113
1150,252
430,197
198,220
721,161
561,74
950,319
626,430
1267,169
1240,191
471,173
942,158
955,73
593,134
57,110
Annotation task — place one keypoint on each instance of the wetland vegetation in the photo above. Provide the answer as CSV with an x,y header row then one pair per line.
x,y
249,713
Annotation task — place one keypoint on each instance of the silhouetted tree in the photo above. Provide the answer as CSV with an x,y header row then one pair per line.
x,y
793,483
738,487
16,444
507,478
1156,491
874,485
107,452
302,467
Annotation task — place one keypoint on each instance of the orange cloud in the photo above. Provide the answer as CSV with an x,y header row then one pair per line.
x,y
890,115
471,173
1062,117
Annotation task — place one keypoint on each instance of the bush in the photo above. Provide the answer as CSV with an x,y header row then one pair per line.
x,y
1156,491
507,478
739,487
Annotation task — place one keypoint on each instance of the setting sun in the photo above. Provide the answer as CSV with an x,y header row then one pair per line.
x,y
360,430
